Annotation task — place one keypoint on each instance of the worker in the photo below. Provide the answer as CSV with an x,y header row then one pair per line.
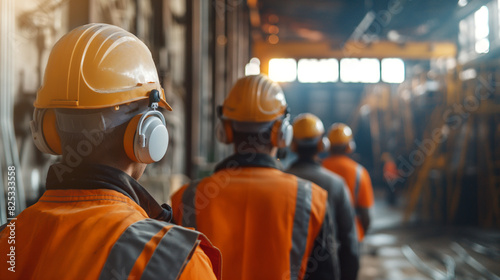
x,y
268,224
391,177
308,142
99,107
355,175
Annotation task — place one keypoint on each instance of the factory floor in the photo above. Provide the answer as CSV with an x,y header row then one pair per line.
x,y
394,250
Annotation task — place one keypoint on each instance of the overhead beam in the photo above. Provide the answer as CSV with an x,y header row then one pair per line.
x,y
380,49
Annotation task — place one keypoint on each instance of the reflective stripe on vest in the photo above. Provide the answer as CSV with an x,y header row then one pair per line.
x,y
168,260
188,205
171,256
300,226
359,169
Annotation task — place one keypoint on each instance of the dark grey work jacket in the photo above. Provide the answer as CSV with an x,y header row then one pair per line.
x,y
338,197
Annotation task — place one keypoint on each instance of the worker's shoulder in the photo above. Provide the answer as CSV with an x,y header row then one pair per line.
x,y
152,227
346,161
255,173
315,188
331,179
175,242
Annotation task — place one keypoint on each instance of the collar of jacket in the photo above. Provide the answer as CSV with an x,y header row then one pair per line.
x,y
249,160
305,161
95,176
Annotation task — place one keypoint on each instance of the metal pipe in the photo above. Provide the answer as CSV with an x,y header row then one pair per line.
x,y
10,155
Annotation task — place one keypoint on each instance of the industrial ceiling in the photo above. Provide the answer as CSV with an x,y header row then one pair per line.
x,y
337,21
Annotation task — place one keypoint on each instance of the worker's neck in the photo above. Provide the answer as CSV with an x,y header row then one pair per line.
x,y
258,149
308,158
133,169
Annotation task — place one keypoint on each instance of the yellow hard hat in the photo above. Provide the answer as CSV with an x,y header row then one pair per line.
x,y
97,66
254,98
340,134
307,126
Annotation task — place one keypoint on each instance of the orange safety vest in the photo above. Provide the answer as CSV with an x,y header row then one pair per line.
x,y
101,234
358,181
264,221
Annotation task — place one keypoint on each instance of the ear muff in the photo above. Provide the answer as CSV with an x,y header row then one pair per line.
x,y
44,131
146,137
351,147
282,133
323,145
224,132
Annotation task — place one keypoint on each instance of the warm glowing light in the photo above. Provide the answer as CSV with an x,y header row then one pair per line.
x,y
273,39
393,70
273,29
221,40
318,71
283,69
273,19
252,67
365,70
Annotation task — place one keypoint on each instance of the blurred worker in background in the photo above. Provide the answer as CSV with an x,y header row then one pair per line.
x,y
98,108
391,177
267,224
355,175
308,142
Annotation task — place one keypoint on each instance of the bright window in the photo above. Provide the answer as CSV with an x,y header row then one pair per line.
x,y
482,46
348,67
393,70
318,71
283,69
370,70
481,30
365,70
463,3
498,15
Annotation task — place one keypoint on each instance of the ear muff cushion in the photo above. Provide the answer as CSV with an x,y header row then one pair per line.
x,y
49,131
351,147
128,137
229,131
287,134
224,131
156,140
281,134
275,133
